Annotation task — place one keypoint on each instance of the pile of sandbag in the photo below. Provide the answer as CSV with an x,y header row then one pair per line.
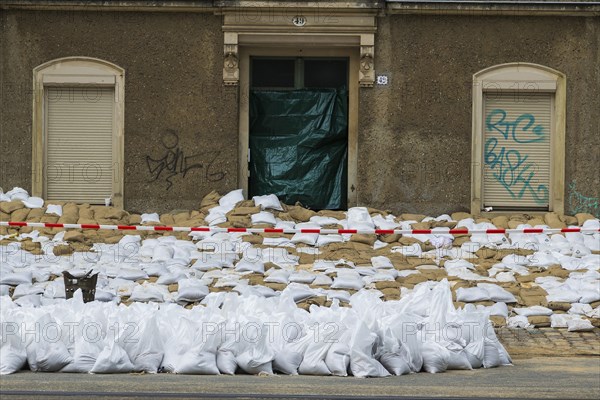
x,y
232,333
498,273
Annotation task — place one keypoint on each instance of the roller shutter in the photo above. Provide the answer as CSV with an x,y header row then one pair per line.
x,y
79,144
517,150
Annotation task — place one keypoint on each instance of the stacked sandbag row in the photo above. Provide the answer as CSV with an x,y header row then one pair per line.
x,y
244,333
326,266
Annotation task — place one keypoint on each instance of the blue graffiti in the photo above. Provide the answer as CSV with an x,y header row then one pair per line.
x,y
511,169
511,128
582,204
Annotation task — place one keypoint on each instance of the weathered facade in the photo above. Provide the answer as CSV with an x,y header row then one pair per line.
x,y
420,76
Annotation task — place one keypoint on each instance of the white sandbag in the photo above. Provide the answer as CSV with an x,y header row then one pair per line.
x,y
256,358
302,277
277,276
533,311
48,353
162,253
141,341
290,351
247,266
16,278
86,348
150,218
589,296
13,355
263,217
17,193
579,325
217,215
580,250
26,289
580,309
337,359
313,361
31,300
322,280
359,218
33,202
519,321
473,294
499,309
231,199
191,290
306,238
393,355
4,290
560,320
563,294
226,362
458,359
381,262
170,278
132,274
362,361
491,355
112,360
435,357
347,282
55,209
324,240
269,201
497,293
145,293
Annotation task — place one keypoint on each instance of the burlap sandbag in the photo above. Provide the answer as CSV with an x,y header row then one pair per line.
x,y
500,222
332,214
412,217
243,211
63,250
19,215
582,217
10,206
86,212
386,285
74,235
553,220
365,239
457,216
539,321
210,200
300,214
569,220
167,220
35,214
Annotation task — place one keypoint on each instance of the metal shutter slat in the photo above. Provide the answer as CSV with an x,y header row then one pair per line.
x,y
517,160
79,144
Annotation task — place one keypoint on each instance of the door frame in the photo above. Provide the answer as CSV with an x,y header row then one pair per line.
x,y
353,55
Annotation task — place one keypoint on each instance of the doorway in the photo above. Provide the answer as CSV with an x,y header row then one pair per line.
x,y
298,129
293,51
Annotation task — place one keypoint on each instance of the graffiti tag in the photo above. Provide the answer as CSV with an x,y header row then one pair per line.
x,y
582,204
509,167
174,162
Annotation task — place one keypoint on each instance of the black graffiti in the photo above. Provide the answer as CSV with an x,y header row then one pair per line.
x,y
174,162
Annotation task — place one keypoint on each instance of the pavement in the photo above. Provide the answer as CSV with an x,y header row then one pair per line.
x,y
531,378
549,342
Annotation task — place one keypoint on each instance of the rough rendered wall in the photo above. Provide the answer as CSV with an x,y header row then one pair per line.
x,y
173,97
415,134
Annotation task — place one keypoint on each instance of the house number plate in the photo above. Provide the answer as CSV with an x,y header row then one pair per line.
x,y
299,20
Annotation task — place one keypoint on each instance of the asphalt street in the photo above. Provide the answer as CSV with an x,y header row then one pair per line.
x,y
534,378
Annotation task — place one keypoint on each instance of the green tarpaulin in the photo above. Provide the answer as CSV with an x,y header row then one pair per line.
x,y
299,146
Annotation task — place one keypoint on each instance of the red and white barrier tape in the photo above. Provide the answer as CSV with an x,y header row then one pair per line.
x,y
434,231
